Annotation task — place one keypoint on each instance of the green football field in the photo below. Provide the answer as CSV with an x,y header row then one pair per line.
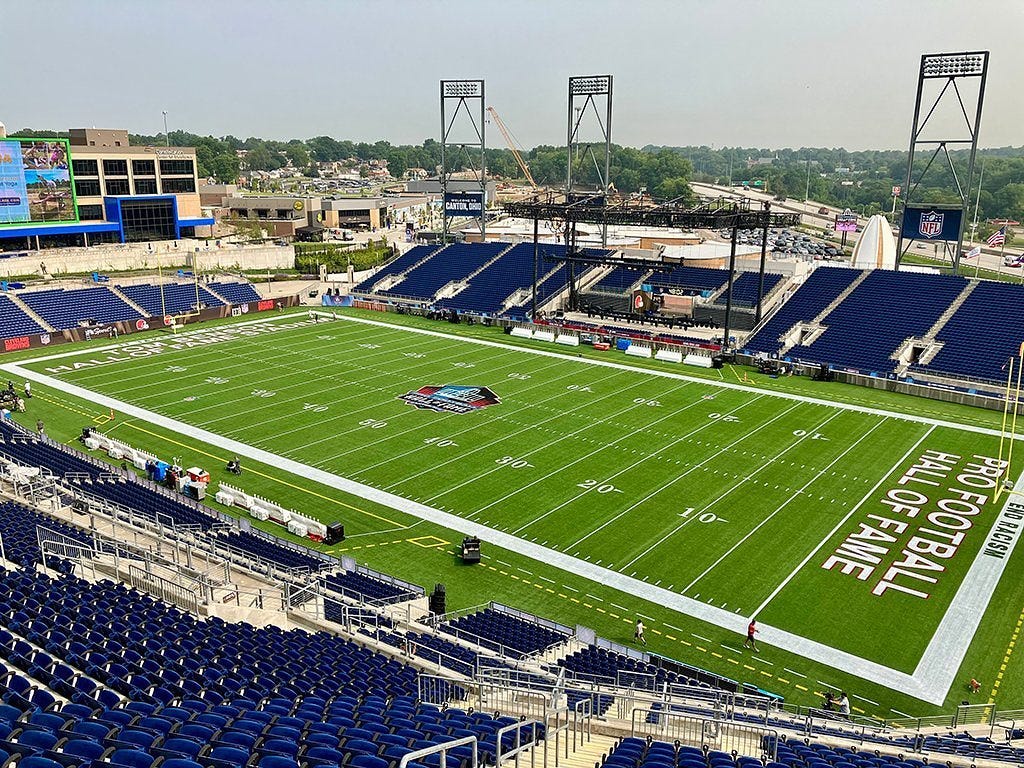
x,y
862,539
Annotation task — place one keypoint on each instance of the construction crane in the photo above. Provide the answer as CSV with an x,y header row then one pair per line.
x,y
511,145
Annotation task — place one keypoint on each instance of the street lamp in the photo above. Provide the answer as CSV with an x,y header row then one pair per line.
x,y
807,186
167,136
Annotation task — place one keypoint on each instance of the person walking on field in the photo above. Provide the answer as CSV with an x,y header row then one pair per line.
x,y
638,634
28,390
751,631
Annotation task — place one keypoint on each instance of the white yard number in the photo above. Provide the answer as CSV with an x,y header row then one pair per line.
x,y
373,423
704,517
464,365
723,417
521,376
813,435
314,407
578,388
416,355
367,346
175,369
599,487
215,380
262,393
645,401
512,461
441,442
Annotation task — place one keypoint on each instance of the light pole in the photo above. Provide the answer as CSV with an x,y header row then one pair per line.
x,y
807,186
167,136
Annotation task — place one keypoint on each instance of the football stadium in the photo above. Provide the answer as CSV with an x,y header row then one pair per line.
x,y
575,477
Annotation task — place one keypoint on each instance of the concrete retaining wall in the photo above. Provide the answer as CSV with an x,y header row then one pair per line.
x,y
146,256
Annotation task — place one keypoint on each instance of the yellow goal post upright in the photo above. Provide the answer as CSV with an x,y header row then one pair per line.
x,y
171,322
1008,430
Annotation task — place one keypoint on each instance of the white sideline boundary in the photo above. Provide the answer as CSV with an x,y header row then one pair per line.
x,y
931,680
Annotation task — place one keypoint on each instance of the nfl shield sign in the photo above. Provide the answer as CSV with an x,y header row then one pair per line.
x,y
930,224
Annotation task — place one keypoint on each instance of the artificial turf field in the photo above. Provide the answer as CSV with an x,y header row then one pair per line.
x,y
683,501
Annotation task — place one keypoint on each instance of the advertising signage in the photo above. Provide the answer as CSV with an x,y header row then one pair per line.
x,y
846,221
36,186
463,204
931,223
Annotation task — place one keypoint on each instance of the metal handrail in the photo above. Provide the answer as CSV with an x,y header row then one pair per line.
x,y
443,749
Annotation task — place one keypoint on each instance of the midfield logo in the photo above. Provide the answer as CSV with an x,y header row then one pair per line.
x,y
451,398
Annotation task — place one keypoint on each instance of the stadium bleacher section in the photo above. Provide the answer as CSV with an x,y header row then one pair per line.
x,y
14,321
899,305
366,587
396,266
64,309
235,293
691,279
456,262
744,288
165,686
821,288
620,280
504,632
18,530
994,307
173,299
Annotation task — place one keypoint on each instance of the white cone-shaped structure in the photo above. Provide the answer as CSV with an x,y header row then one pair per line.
x,y
3,131
876,248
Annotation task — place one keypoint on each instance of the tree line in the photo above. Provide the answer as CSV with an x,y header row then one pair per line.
x,y
859,180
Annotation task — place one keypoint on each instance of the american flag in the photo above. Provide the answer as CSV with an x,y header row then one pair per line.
x,y
997,238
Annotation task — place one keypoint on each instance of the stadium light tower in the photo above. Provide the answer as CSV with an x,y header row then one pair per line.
x,y
948,74
462,133
587,96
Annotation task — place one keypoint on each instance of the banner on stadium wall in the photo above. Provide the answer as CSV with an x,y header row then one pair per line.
x,y
925,223
114,330
463,204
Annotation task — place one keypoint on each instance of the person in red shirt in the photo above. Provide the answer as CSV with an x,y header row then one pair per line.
x,y
751,631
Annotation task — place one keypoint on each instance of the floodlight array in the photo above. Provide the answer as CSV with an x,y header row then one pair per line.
x,y
953,65
462,88
590,86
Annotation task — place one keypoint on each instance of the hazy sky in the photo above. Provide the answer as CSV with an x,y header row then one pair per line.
x,y
768,73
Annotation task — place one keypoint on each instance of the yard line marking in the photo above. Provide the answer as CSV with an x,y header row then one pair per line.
x,y
762,661
594,597
572,589
684,377
929,685
604,446
869,701
462,456
677,629
620,607
784,504
827,685
903,714
689,434
842,522
787,669
688,520
730,648
699,637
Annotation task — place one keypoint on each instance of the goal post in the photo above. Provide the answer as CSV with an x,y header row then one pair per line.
x,y
1008,429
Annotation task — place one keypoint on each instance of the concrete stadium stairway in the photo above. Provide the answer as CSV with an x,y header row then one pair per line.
x,y
120,294
950,311
816,322
29,311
